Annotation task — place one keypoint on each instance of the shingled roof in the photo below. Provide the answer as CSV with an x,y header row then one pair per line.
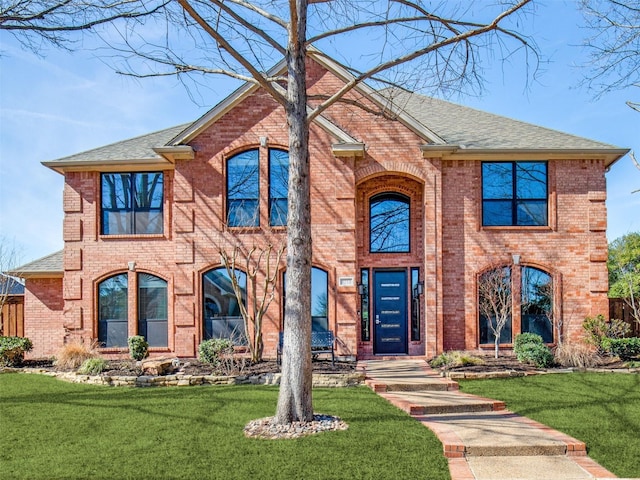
x,y
471,128
138,148
457,125
48,266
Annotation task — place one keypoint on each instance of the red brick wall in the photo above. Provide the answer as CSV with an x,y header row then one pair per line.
x,y
573,248
44,316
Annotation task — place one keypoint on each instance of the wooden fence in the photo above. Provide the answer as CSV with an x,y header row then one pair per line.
x,y
13,317
620,310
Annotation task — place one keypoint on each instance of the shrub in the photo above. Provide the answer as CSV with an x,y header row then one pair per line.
x,y
211,351
597,329
93,366
138,347
577,355
12,350
625,348
73,354
530,348
524,338
455,359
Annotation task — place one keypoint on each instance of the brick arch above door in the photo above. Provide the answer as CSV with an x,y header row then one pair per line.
x,y
389,168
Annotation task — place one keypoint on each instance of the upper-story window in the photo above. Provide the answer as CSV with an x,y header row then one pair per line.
x,y
389,223
278,187
132,203
514,194
243,188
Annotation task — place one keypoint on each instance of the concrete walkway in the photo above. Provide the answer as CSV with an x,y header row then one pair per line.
x,y
481,439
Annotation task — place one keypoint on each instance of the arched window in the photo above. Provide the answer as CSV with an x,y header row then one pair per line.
x,y
537,303
221,310
112,308
243,189
534,305
389,223
152,309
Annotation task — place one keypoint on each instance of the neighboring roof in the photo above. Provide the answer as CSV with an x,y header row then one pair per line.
x,y
136,149
45,267
10,286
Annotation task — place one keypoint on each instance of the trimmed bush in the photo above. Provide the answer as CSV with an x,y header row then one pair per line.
x,y
524,338
212,350
138,347
12,350
530,348
93,366
625,348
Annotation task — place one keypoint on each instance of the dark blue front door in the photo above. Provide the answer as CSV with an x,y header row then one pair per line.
x,y
390,312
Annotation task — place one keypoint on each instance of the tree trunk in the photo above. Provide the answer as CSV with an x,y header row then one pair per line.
x,y
294,400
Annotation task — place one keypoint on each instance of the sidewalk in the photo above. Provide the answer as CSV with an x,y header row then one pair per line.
x,y
481,439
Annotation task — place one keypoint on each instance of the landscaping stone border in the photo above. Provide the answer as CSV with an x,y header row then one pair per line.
x,y
184,380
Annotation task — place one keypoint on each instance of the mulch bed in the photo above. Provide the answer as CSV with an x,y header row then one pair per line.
x,y
193,366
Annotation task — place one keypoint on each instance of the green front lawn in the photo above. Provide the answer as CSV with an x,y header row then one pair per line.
x,y
602,410
50,429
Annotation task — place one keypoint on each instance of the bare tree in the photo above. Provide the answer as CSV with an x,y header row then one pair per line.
x,y
495,301
259,263
416,45
34,22
613,44
614,47
9,258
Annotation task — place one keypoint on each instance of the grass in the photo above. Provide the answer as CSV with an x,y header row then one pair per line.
x,y
602,410
51,430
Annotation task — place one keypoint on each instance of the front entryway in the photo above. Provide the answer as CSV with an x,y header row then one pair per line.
x,y
390,312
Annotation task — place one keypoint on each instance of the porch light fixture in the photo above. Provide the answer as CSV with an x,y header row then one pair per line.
x,y
362,289
418,289
516,259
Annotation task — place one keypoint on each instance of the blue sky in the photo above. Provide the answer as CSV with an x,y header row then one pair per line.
x,y
64,103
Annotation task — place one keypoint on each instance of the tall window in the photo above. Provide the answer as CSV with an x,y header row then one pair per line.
x,y
112,311
494,295
319,299
278,187
221,310
243,189
514,194
389,223
537,303
132,203
152,309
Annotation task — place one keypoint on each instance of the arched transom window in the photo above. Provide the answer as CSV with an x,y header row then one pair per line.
x,y
389,223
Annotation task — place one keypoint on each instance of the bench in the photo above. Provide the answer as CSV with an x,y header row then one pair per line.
x,y
321,342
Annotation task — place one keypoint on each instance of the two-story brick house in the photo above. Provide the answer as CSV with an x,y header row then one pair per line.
x,y
409,208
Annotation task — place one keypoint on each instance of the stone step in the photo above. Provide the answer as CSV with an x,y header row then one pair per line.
x,y
534,468
426,385
441,402
498,433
